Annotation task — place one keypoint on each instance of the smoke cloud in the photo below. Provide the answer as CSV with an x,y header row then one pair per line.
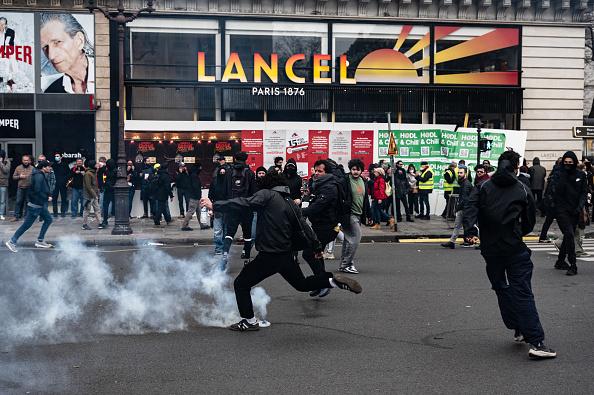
x,y
77,294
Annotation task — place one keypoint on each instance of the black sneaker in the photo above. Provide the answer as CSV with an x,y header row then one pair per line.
x,y
187,229
518,337
540,351
244,325
245,255
561,265
85,227
544,240
449,244
347,283
572,271
315,293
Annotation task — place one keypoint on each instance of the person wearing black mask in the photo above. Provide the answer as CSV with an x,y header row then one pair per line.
x,y
111,176
294,181
566,197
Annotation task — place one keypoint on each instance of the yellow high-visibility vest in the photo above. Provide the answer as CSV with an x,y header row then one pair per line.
x,y
447,186
426,185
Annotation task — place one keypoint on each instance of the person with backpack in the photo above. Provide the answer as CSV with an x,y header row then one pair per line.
x,y
281,230
323,214
241,182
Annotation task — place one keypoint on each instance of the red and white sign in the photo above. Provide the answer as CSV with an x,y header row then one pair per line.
x,y
340,147
318,146
252,143
274,145
362,145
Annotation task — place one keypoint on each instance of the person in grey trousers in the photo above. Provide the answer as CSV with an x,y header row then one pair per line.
x,y
4,177
464,190
359,198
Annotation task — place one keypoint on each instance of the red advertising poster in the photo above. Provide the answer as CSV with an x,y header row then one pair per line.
x,y
319,141
252,142
362,145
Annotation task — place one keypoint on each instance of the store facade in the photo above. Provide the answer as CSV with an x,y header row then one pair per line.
x,y
47,84
232,70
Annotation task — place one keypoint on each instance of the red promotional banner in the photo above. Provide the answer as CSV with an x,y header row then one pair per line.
x,y
362,145
319,141
252,142
297,142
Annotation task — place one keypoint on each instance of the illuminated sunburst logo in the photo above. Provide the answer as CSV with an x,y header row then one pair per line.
x,y
391,65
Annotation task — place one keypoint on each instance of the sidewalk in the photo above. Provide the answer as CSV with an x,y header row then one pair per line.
x,y
145,231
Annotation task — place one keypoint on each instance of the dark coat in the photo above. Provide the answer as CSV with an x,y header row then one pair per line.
x,y
39,192
464,191
504,209
322,209
194,188
278,219
61,171
163,190
402,186
537,177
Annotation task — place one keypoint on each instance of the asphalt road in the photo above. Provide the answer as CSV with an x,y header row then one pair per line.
x,y
426,322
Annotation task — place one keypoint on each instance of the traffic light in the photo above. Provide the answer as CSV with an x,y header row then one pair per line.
x,y
484,145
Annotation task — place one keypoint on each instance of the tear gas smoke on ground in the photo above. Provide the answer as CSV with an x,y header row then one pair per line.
x,y
78,294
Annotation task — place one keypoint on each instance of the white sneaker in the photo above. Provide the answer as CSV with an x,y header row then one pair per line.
x,y
43,244
11,246
2,218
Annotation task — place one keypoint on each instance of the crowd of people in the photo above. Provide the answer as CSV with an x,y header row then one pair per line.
x,y
493,212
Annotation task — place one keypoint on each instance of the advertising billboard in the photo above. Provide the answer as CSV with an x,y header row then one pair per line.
x,y
17,40
67,43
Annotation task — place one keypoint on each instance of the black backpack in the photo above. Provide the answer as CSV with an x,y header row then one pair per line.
x,y
343,208
239,182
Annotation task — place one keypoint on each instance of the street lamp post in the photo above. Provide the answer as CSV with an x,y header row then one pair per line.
x,y
479,125
121,17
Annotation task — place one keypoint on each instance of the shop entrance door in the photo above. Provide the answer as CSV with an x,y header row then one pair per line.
x,y
15,149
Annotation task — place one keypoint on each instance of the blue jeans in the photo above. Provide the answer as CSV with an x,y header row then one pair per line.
x,y
424,208
76,204
21,202
510,278
218,226
3,198
377,212
32,215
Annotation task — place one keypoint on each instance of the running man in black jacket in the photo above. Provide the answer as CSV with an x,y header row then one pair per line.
x,y
279,221
504,210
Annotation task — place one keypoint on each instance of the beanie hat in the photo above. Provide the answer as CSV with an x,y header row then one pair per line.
x,y
261,168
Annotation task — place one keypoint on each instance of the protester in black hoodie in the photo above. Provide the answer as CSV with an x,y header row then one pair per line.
x,y
162,192
62,172
504,210
280,225
322,213
566,196
294,181
241,182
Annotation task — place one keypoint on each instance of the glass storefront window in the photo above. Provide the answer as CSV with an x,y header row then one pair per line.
x,y
282,38
382,53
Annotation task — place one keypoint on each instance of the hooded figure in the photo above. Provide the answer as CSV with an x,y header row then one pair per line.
x,y
566,197
293,179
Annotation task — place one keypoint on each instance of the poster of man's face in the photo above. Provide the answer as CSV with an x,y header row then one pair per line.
x,y
67,53
17,71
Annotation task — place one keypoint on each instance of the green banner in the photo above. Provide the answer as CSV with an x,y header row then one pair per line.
x,y
439,148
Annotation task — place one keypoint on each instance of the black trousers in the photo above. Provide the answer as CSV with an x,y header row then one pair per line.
x,y
325,236
162,210
405,204
233,221
545,226
108,197
567,223
62,191
413,202
446,196
266,265
511,279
